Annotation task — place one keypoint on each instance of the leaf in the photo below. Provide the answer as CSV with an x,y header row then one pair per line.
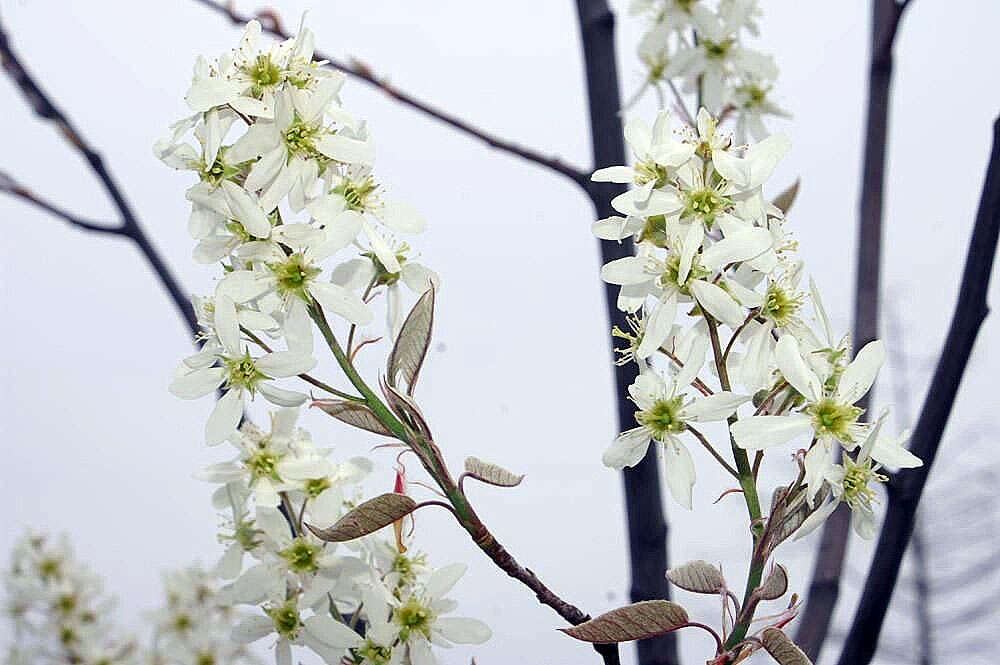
x,y
785,199
698,577
367,518
775,585
407,356
782,649
632,622
407,410
352,413
491,473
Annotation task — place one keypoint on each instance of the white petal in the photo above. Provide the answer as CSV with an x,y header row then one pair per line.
x,y
795,370
227,325
757,432
420,653
680,472
348,150
628,448
246,210
859,376
265,169
252,629
242,285
254,585
812,522
280,396
463,631
627,270
225,417
719,406
198,383
737,247
658,327
442,580
693,238
620,174
615,227
332,633
691,351
891,453
718,303
659,203
281,364
736,171
337,300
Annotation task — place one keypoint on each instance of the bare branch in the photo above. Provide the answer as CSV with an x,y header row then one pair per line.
x,y
271,22
45,108
970,311
825,586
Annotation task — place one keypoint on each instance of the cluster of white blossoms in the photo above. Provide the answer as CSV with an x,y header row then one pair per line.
x,y
285,184
367,602
713,254
286,204
193,626
58,610
700,43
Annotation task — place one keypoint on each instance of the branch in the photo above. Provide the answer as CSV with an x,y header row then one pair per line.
x,y
824,588
970,311
433,462
271,22
45,108
647,527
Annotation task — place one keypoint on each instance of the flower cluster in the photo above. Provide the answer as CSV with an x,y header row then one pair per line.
x,y
314,593
58,609
287,204
285,183
193,625
701,44
714,255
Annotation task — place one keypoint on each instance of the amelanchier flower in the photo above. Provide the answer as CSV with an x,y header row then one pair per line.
x,y
232,368
664,413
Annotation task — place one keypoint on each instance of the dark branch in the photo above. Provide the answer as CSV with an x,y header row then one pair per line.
x,y
271,22
824,588
45,108
970,311
647,527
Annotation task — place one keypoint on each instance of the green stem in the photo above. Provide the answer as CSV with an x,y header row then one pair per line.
x,y
749,486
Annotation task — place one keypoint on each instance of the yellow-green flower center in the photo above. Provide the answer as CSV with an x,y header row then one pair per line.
x,y
832,419
243,373
857,477
373,653
300,138
264,73
316,486
780,306
356,194
286,620
705,204
294,274
718,50
672,273
662,418
301,556
413,616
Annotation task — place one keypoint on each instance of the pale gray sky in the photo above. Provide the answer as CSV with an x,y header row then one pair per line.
x,y
96,446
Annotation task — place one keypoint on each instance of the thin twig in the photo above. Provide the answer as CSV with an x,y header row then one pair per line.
x,y
271,22
46,109
715,453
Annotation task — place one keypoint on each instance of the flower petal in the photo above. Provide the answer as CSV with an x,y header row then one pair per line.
x,y
225,417
795,370
628,448
757,432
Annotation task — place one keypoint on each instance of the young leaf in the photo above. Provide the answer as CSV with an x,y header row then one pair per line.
x,y
783,649
407,410
785,199
698,576
367,518
407,356
491,473
775,585
352,413
632,622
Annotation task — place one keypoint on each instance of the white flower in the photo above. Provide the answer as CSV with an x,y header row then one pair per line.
x,y
232,368
829,413
320,632
663,415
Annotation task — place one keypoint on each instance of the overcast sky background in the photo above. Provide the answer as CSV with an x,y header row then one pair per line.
x,y
95,446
